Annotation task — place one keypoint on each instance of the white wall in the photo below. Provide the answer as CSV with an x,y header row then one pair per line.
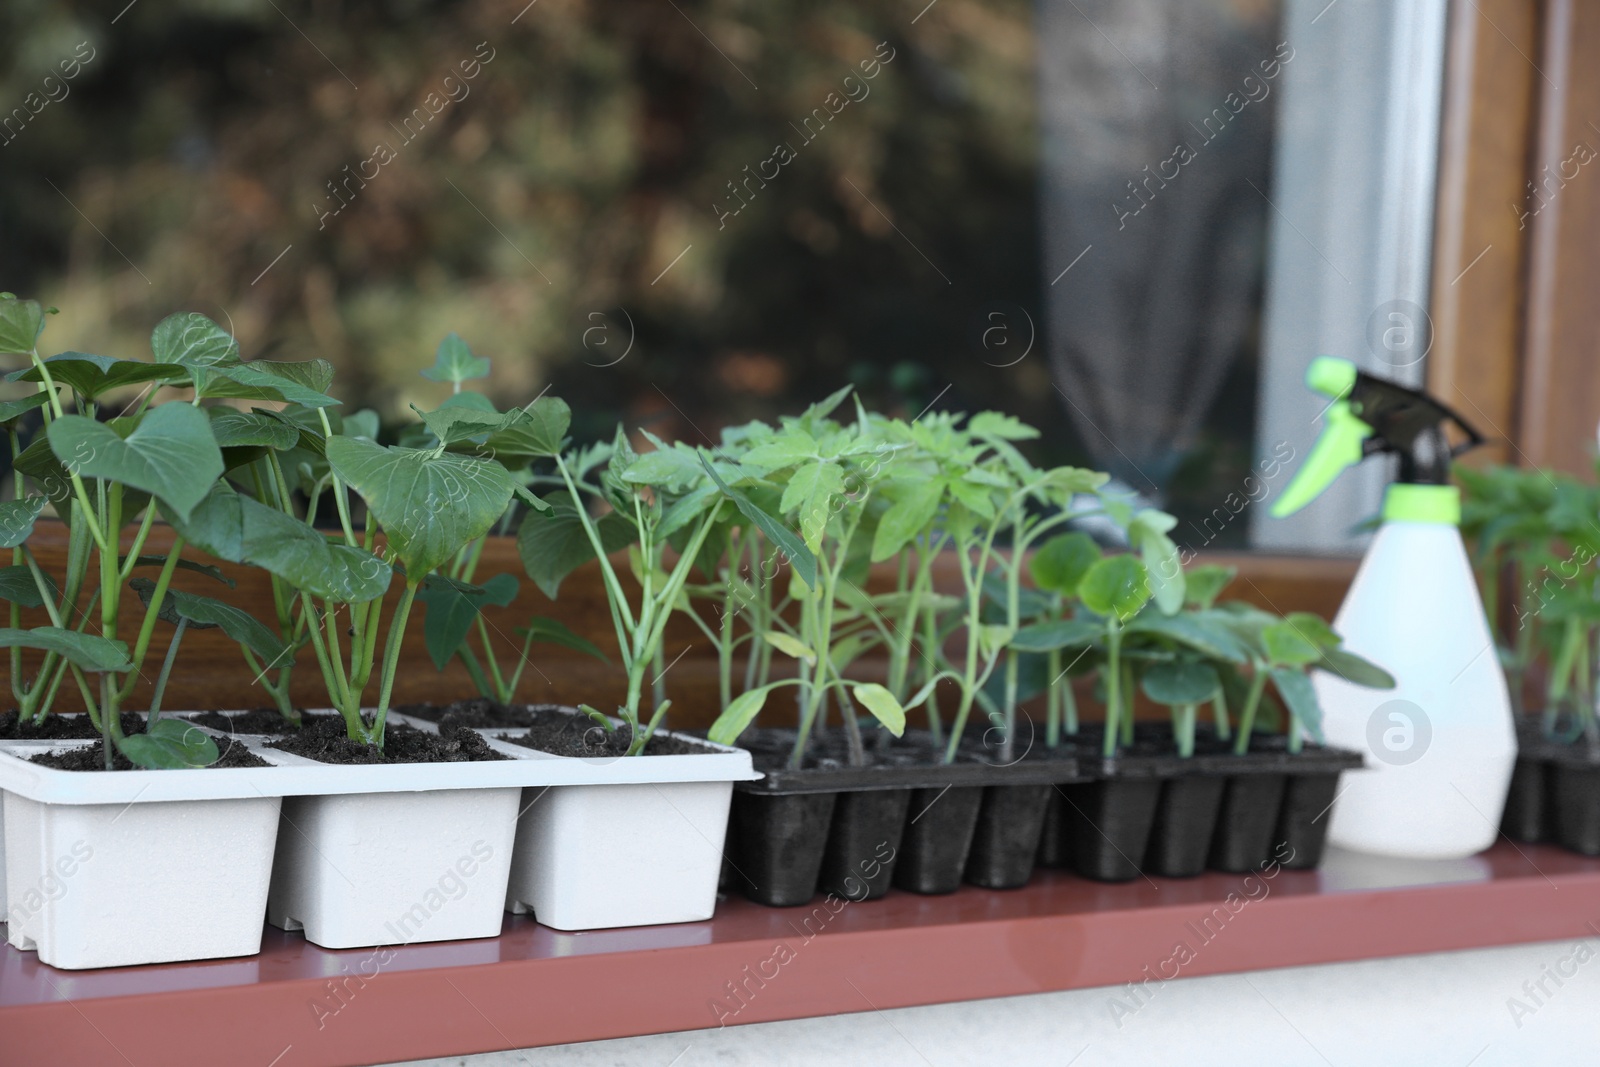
x,y
1448,1009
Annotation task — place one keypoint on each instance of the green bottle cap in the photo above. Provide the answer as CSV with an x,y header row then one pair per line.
x,y
1437,504
1330,376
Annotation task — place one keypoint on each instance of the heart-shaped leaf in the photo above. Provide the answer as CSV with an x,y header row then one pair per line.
x,y
454,423
542,433
552,543
454,362
241,530
1062,561
204,613
1202,632
21,323
89,376
1204,583
429,504
451,606
17,519
1117,586
191,339
170,453
170,745
89,651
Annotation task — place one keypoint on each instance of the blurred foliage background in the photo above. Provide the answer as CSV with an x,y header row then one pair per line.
x,y
561,207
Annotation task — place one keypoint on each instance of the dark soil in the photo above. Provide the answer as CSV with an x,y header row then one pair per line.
x,y
479,713
93,758
564,734
260,721
60,727
323,738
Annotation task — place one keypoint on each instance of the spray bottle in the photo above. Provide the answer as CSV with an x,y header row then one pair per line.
x,y
1441,744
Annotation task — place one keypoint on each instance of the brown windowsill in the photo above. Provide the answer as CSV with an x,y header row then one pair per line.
x,y
534,986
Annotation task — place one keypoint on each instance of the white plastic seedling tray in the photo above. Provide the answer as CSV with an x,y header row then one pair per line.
x,y
293,775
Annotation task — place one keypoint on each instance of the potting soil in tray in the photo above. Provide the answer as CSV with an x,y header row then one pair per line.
x,y
323,738
913,761
259,721
71,726
93,758
564,734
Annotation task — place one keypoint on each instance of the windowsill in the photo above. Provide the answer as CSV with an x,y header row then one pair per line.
x,y
535,986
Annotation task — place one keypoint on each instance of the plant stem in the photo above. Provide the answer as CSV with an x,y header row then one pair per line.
x,y
166,672
391,658
1247,717
1113,677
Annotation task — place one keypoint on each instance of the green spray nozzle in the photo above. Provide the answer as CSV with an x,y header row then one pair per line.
x,y
1370,415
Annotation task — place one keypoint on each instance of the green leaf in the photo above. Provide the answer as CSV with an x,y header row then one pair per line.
x,y
912,512
1314,628
21,323
1180,682
1285,644
1163,564
789,646
794,549
810,494
1354,669
170,745
1005,427
993,639
240,625
193,340
542,433
89,651
241,530
170,453
18,587
784,450
884,707
17,519
245,429
451,606
89,376
429,505
674,469
305,383
454,362
454,423
1204,583
12,410
1205,634
1049,636
1116,586
552,632
1062,561
1300,697
739,714
553,543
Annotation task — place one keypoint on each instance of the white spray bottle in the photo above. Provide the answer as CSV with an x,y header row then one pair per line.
x,y
1441,744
